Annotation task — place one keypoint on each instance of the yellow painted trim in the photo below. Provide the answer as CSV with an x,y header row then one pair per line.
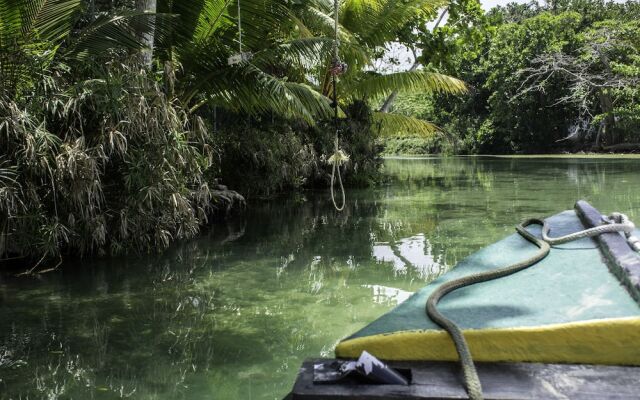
x,y
604,341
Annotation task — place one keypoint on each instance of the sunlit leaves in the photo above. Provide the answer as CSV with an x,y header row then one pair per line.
x,y
402,125
374,85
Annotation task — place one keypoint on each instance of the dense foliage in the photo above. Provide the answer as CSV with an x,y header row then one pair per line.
x,y
119,119
563,76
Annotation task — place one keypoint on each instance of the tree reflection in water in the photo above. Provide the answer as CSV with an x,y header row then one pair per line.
x,y
233,313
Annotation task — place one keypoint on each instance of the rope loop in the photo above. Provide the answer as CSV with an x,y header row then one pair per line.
x,y
336,160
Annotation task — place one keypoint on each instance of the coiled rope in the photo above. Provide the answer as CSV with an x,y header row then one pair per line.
x,y
616,222
339,157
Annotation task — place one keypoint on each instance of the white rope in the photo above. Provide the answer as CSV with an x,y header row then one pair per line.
x,y
339,208
616,222
338,157
239,28
335,29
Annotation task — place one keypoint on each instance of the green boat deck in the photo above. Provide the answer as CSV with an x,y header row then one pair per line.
x,y
567,308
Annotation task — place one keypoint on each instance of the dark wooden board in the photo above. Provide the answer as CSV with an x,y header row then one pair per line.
x,y
621,259
517,381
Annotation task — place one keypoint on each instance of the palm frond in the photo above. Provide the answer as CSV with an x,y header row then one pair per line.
x,y
50,20
375,85
378,21
402,125
309,53
122,30
265,93
197,20
262,22
30,31
10,21
304,51
318,105
321,22
210,19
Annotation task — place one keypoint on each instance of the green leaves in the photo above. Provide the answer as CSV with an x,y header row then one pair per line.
x,y
291,47
380,21
289,99
49,20
8,175
10,22
36,33
212,17
28,34
30,20
374,85
120,31
394,125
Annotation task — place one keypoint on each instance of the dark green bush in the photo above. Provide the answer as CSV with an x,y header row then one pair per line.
x,y
265,157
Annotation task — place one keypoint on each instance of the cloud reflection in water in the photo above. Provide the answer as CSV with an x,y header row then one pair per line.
x,y
412,252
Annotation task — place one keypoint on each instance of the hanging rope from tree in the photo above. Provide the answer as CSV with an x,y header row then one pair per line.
x,y
339,157
239,28
240,56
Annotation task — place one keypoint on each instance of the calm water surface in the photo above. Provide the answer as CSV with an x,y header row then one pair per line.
x,y
232,314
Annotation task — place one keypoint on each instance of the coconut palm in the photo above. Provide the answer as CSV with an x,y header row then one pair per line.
x,y
292,47
365,29
36,33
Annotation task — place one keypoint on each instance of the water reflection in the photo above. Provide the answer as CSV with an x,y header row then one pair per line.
x,y
233,314
415,252
388,295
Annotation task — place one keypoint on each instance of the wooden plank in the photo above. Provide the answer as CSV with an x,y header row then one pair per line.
x,y
517,381
621,259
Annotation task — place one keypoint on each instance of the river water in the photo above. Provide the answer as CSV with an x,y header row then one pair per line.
x,y
232,314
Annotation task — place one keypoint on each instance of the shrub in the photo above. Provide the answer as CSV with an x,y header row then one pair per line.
x,y
102,166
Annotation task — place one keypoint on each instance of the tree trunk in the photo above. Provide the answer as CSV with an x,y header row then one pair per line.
x,y
606,102
606,105
146,36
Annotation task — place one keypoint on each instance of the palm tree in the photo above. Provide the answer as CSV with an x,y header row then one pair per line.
x,y
365,28
206,34
292,53
292,48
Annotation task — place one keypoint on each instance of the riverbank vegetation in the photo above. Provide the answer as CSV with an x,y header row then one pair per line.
x,y
120,120
561,76
125,123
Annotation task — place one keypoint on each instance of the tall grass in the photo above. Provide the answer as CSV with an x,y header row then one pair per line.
x,y
101,166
